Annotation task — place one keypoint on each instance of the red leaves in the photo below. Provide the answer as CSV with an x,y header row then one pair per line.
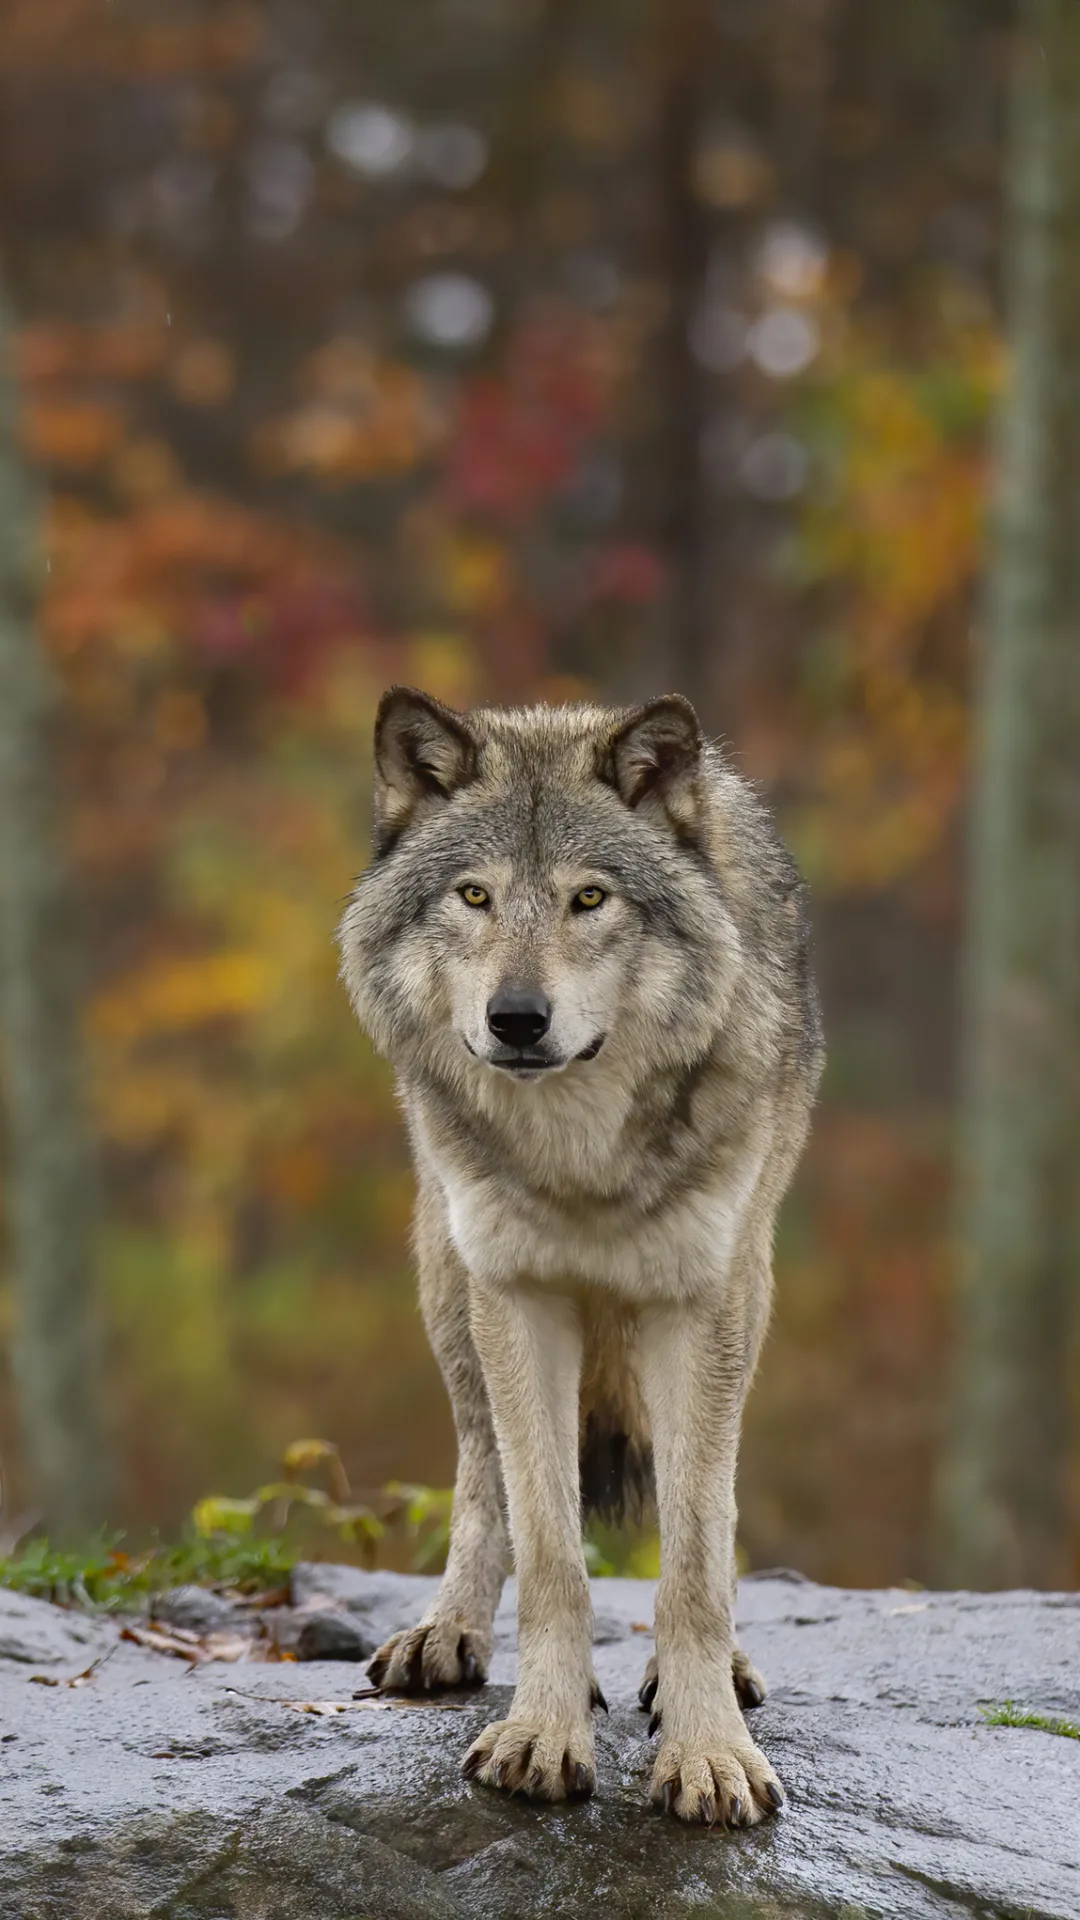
x,y
520,433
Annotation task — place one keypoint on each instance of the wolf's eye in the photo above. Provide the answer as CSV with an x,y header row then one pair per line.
x,y
475,896
588,898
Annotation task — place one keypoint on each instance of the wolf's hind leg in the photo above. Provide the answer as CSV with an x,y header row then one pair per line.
x,y
750,1687
451,1645
530,1343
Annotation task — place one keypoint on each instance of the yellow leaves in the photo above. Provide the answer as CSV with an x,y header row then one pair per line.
x,y
143,1104
476,574
215,1514
145,469
888,780
896,538
302,1455
445,664
180,995
894,429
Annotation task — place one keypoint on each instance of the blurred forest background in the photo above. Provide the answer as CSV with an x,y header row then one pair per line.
x,y
511,348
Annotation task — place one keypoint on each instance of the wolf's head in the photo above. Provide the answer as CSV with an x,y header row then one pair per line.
x,y
542,892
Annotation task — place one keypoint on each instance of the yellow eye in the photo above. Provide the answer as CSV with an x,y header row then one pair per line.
x,y
588,898
475,896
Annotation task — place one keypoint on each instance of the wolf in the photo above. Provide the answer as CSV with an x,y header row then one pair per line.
x,y
585,951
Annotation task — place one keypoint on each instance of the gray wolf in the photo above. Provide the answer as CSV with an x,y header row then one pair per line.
x,y
585,951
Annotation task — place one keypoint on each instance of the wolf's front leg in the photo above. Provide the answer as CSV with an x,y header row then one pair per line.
x,y
696,1371
530,1346
451,1645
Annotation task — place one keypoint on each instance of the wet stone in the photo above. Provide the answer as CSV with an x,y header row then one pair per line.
x,y
196,1609
246,1789
333,1636
35,1634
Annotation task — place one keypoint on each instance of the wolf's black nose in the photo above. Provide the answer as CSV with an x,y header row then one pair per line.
x,y
518,1016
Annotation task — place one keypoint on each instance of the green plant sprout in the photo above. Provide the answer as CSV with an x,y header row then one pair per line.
x,y
1010,1715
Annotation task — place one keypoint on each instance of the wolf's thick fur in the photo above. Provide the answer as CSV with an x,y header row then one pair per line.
x,y
596,1206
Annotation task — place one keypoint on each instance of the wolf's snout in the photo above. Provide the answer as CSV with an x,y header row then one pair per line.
x,y
518,1016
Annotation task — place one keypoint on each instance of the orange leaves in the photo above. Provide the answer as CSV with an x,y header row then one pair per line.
x,y
71,433
82,36
179,722
145,469
363,417
193,568
64,350
203,373
912,498
298,1174
174,997
893,545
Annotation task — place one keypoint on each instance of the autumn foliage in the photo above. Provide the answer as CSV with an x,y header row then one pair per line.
x,y
287,454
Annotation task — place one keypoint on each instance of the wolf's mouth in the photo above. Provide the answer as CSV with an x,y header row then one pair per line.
x,y
534,1062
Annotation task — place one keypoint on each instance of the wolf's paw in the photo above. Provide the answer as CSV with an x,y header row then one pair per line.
x,y
726,1781
543,1762
437,1653
750,1687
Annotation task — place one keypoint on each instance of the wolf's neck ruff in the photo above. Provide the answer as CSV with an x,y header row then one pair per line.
x,y
584,948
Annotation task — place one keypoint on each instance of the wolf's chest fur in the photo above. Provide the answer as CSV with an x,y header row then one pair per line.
x,y
589,1183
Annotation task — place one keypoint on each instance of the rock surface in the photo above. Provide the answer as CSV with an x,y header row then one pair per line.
x,y
156,1790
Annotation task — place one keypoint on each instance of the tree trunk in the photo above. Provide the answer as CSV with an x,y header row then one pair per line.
x,y
51,1184
683,64
1005,1518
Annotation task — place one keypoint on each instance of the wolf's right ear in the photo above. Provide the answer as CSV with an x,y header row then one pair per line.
x,y
653,761
423,753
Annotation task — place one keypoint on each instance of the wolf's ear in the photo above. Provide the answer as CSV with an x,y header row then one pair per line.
x,y
653,759
423,753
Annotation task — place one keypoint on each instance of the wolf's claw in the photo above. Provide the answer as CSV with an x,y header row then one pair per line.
x,y
428,1658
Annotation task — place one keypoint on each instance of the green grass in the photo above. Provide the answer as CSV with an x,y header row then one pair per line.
x,y
107,1576
1010,1715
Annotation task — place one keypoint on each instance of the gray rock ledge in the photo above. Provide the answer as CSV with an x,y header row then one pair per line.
x,y
154,1790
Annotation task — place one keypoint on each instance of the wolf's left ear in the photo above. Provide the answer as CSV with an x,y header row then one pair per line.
x,y
423,753
653,760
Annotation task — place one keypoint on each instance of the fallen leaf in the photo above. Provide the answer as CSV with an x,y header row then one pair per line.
x,y
360,1703
640,1626
158,1637
78,1679
273,1597
175,1640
